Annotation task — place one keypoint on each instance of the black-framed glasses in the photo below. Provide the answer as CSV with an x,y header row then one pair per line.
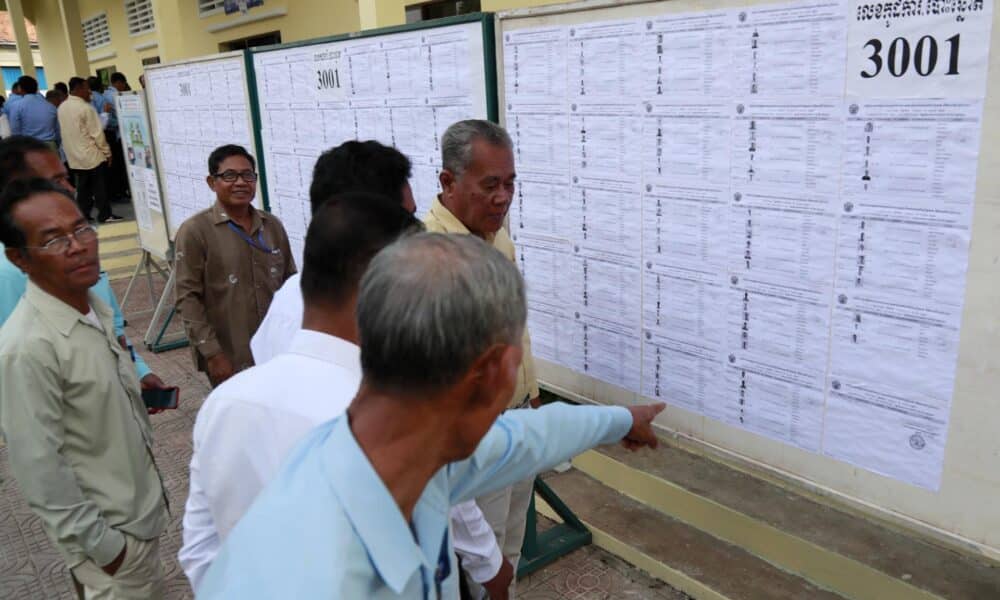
x,y
59,245
231,176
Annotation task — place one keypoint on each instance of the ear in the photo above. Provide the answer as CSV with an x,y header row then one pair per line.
x,y
211,182
18,258
447,179
495,372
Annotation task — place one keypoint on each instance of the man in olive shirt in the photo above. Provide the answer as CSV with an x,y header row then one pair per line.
x,y
477,183
79,440
230,260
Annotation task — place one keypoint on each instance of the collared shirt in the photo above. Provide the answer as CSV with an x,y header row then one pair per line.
x,y
225,283
248,425
109,96
34,116
441,220
283,319
79,440
82,135
282,332
327,526
13,282
97,100
11,101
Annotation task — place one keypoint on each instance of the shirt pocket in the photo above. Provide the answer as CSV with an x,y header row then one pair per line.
x,y
274,270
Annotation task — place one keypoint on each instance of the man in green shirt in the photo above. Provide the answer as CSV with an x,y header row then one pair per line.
x,y
78,436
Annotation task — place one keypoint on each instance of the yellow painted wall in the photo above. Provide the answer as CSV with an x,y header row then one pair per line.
x,y
126,59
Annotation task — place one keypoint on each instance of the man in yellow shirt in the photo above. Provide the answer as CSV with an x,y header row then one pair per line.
x,y
87,151
477,183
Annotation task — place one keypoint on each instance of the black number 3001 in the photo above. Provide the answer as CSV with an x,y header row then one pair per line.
x,y
924,55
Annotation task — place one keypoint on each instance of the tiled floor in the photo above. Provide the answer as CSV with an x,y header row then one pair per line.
x,y
30,568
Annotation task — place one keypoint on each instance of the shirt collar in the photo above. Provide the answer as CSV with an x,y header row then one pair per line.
x,y
370,507
449,221
62,316
327,348
220,217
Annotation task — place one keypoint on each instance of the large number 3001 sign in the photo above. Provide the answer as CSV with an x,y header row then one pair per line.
x,y
900,55
327,79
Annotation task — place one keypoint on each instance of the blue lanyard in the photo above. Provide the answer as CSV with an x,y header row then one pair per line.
x,y
258,243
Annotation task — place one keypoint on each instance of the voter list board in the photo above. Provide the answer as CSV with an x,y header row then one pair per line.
x,y
761,214
402,89
195,107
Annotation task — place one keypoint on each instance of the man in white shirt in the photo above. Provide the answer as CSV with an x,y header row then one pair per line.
x,y
350,167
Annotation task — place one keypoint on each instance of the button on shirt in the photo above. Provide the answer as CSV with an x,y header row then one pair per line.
x,y
225,284
78,437
246,428
82,135
283,320
441,220
34,116
327,526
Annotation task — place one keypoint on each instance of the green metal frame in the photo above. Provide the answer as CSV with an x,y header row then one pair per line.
x,y
541,549
159,345
489,70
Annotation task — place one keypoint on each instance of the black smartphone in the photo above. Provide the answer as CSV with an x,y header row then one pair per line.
x,y
160,398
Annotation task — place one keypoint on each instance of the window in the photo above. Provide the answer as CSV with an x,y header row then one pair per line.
x,y
265,39
210,7
95,31
436,9
139,14
12,74
105,74
152,60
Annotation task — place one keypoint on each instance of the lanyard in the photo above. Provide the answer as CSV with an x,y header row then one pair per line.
x,y
258,243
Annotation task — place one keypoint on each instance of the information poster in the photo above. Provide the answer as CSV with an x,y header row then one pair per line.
x,y
402,90
197,107
138,149
718,210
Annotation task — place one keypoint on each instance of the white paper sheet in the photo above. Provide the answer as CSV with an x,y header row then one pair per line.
x,y
923,48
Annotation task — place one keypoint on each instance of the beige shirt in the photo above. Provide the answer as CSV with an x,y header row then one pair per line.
x,y
82,135
225,284
441,220
78,437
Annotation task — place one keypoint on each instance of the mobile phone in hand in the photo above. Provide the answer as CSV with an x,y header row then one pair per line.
x,y
161,398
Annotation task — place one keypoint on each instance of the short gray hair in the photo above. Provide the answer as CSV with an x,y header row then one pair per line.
x,y
430,304
456,143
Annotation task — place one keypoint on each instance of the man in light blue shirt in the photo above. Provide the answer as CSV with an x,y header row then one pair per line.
x,y
22,157
360,508
33,115
97,98
16,95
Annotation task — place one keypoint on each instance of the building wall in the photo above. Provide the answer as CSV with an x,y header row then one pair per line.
x,y
181,32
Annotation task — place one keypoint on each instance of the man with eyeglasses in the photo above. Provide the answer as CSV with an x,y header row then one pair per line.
x,y
23,157
230,260
79,440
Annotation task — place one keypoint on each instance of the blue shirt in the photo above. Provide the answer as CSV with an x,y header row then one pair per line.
x,y
327,526
13,283
109,97
9,104
97,100
36,117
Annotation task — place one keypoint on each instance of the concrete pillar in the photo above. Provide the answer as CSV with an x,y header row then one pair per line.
x,y
21,37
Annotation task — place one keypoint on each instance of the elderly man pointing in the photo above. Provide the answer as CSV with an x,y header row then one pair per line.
x,y
360,507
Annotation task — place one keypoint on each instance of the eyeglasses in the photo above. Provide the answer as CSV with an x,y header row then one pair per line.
x,y
232,176
59,245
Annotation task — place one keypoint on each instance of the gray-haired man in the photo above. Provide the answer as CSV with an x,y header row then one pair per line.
x,y
360,508
477,183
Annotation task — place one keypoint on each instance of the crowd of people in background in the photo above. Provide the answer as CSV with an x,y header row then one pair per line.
x,y
79,121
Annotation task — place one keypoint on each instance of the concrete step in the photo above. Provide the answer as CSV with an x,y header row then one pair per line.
x,y
828,546
683,556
